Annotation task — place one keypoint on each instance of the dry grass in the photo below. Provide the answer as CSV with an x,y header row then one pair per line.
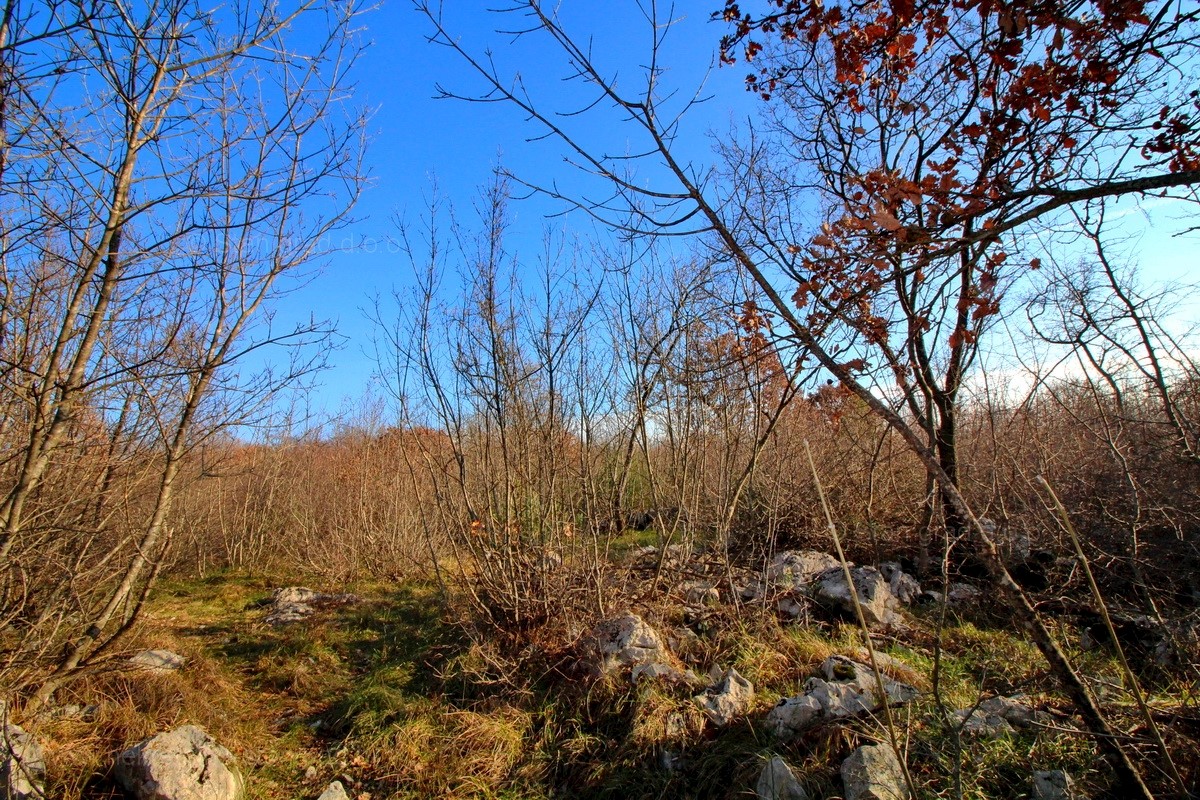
x,y
391,698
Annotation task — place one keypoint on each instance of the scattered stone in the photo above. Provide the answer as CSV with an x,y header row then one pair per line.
x,y
295,603
22,765
962,593
643,554
334,791
294,595
778,782
879,605
981,724
888,664
1015,544
797,568
666,672
158,661
753,590
728,699
625,641
310,774
676,726
872,772
997,716
670,761
848,690
957,594
904,586
701,593
183,764
86,713
793,607
681,639
1053,785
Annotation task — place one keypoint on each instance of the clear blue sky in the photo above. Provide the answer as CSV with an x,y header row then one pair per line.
x,y
418,139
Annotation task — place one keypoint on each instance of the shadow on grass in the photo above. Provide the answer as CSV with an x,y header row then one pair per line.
x,y
366,659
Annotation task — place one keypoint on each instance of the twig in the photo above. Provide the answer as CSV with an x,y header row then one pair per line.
x,y
1131,680
862,621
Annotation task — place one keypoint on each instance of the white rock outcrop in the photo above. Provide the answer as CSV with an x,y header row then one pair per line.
x,y
729,699
778,782
22,764
797,568
183,764
625,641
873,772
295,603
334,791
1053,784
158,661
848,690
997,716
905,587
880,607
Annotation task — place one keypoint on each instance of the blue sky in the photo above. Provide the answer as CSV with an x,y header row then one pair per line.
x,y
417,140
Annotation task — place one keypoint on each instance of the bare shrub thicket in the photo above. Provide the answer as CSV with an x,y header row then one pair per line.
x,y
340,507
882,206
646,395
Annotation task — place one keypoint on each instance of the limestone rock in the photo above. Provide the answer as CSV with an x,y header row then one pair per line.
x,y
957,594
74,711
22,764
794,714
665,672
961,593
625,641
1053,785
753,589
158,660
904,586
880,607
848,690
334,791
793,607
729,699
183,764
701,593
798,568
778,782
295,603
873,772
890,665
643,556
292,595
997,716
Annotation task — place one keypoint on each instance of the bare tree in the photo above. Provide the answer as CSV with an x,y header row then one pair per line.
x,y
1131,389
167,169
928,136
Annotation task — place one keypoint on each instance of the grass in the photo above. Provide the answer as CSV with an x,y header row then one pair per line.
x,y
389,696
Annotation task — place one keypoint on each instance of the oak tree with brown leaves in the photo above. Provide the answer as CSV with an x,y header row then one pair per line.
x,y
885,205
936,134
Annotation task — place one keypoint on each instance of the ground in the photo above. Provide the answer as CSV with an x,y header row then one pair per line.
x,y
391,696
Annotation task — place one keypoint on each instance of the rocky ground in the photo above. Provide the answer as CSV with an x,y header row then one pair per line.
x,y
702,681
